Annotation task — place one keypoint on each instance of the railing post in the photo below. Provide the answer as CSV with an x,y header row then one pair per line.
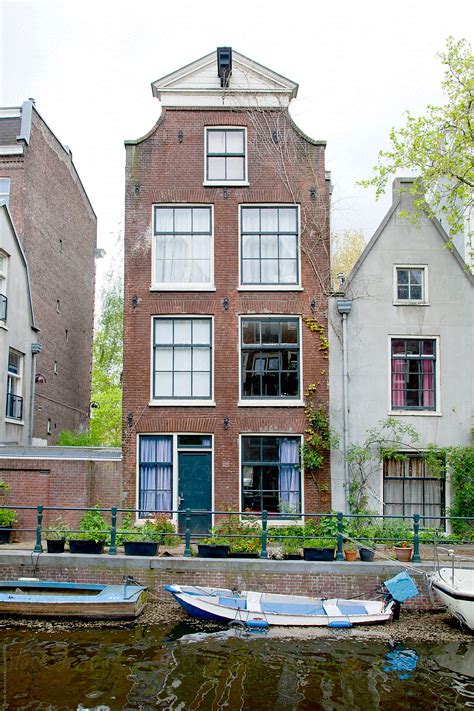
x,y
187,546
264,552
416,538
113,532
39,524
340,539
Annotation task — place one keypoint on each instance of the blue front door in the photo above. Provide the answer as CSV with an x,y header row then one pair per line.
x,y
194,489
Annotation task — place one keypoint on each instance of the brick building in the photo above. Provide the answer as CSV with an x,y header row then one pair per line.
x,y
57,229
226,254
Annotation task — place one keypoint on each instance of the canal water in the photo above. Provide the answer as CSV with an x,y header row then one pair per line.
x,y
181,668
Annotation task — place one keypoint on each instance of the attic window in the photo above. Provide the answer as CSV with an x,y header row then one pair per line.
x,y
224,64
226,159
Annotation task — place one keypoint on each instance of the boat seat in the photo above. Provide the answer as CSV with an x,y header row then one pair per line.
x,y
253,602
331,608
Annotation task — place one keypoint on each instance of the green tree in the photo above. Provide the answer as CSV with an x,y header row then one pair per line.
x,y
438,147
106,388
346,248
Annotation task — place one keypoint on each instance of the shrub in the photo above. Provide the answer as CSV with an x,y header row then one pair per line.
x,y
93,527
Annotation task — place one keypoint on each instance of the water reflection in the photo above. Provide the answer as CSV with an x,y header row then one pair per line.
x,y
183,667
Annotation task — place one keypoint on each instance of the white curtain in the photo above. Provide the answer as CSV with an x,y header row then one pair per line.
x,y
289,476
155,473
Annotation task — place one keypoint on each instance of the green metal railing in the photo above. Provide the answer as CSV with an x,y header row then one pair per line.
x,y
187,536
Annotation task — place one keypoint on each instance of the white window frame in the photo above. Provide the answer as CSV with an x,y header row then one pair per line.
x,y
217,183
275,521
271,287
5,194
18,388
4,280
415,413
424,301
160,286
180,402
277,401
175,473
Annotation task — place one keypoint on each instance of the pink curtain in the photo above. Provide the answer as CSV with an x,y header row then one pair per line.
x,y
398,383
427,382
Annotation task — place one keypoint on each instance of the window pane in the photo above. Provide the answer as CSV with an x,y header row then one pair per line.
x,y
428,347
200,271
269,271
269,219
182,359
415,276
415,292
201,219
164,359
235,141
287,219
289,332
180,271
287,271
270,331
182,331
163,331
403,292
250,219
201,359
398,347
202,331
161,243
164,219
201,247
216,141
216,168
235,169
182,219
251,246
251,331
182,384
251,271
163,385
201,385
287,246
413,347
269,246
402,275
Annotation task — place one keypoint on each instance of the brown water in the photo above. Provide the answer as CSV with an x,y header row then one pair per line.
x,y
181,668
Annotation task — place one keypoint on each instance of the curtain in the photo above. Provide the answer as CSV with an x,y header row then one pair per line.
x,y
427,382
155,473
289,476
398,383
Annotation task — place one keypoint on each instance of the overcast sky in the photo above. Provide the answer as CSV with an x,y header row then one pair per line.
x,y
359,66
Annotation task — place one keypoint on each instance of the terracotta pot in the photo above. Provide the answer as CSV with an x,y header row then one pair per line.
x,y
403,554
350,555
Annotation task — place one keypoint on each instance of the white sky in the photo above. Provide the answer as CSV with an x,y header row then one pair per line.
x,y
359,64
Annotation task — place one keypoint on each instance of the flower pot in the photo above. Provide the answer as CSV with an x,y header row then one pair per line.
x,y
208,551
86,546
293,556
56,546
318,553
403,554
366,554
5,533
242,554
350,555
140,547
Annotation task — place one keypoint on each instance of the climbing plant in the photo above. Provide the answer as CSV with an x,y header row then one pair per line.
x,y
319,437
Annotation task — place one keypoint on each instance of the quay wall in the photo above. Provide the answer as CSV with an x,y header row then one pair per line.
x,y
337,579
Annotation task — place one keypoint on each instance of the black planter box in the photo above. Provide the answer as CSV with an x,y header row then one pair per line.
x,y
86,546
239,554
318,553
207,551
293,556
5,532
140,547
55,546
366,555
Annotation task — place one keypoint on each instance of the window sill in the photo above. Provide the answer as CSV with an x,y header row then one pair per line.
x,y
415,413
270,287
182,403
411,303
181,287
277,402
226,183
3,325
12,421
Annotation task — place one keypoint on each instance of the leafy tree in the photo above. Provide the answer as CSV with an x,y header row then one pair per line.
x,y
347,247
438,146
107,358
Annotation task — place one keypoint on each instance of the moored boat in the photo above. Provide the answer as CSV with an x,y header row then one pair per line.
x,y
79,600
256,609
455,588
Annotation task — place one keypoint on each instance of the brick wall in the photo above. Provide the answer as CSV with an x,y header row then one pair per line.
x,y
162,170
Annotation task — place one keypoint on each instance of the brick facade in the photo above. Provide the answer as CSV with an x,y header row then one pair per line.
x,y
57,228
166,166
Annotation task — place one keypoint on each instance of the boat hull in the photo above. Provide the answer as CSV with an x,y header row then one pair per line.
x,y
71,600
456,592
250,608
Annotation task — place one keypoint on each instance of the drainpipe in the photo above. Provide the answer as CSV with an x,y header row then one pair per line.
x,y
35,349
344,307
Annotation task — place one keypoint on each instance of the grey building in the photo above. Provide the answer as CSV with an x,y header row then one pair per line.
x,y
401,341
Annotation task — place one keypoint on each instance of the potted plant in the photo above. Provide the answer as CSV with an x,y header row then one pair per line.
x,y
94,532
367,551
213,547
56,535
350,551
7,519
143,539
319,549
403,551
292,549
